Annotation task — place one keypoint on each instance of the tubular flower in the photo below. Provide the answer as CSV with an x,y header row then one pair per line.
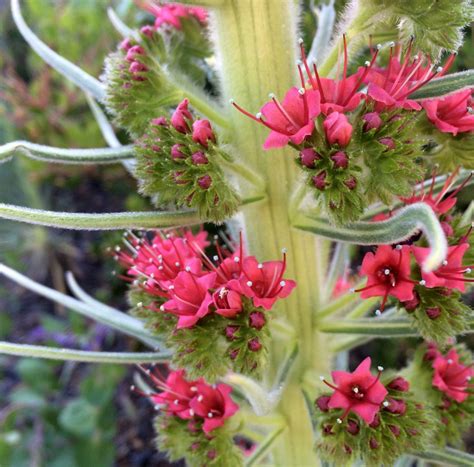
x,y
451,114
338,129
190,297
358,392
180,117
337,95
452,377
391,87
451,273
171,14
388,274
263,282
213,404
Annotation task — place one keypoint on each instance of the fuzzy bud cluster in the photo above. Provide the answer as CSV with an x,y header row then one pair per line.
x,y
366,418
355,145
213,311
195,412
179,160
432,299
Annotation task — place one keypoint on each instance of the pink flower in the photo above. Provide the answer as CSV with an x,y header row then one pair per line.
x,y
214,404
452,377
391,87
180,117
289,121
439,203
337,128
359,392
337,95
190,298
172,13
177,393
451,273
450,114
202,132
388,274
228,303
263,282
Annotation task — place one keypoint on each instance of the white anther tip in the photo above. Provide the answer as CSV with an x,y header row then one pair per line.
x,y
386,403
231,101
321,378
380,368
300,41
422,282
338,420
378,312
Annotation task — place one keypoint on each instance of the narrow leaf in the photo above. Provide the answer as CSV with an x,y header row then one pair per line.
x,y
117,320
60,64
401,226
374,327
120,26
52,353
448,456
67,156
263,448
445,85
110,221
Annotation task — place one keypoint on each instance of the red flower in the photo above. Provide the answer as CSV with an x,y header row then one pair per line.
x,y
180,117
359,392
202,132
263,282
452,377
337,128
388,273
228,303
190,297
171,14
437,203
451,273
391,87
214,404
450,114
177,393
289,121
337,95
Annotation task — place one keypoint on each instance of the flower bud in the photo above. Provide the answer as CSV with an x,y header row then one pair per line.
x,y
133,52
327,429
199,158
431,353
254,344
376,422
340,160
395,430
433,312
387,141
160,121
308,157
257,320
147,30
396,406
205,182
230,332
347,449
125,45
372,120
319,181
176,151
338,129
399,384
202,132
351,182
412,305
322,403
137,67
211,454
373,443
179,117
352,427
233,354
447,229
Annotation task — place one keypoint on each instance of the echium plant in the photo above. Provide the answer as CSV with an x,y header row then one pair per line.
x,y
369,144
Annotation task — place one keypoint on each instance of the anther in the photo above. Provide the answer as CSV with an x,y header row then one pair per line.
x,y
378,312
386,403
380,368
439,69
282,283
321,378
450,361
139,304
271,95
445,263
188,268
338,420
177,264
191,412
200,398
231,101
378,46
398,247
386,272
162,308
302,91
300,41
236,259
210,415
258,115
284,250
215,258
249,283
193,389
366,63
422,282
260,266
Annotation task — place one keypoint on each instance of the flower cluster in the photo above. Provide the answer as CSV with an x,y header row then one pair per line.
x,y
443,380
179,161
358,146
194,418
431,298
212,311
365,417
172,15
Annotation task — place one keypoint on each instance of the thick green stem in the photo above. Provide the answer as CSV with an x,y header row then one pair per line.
x,y
256,49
